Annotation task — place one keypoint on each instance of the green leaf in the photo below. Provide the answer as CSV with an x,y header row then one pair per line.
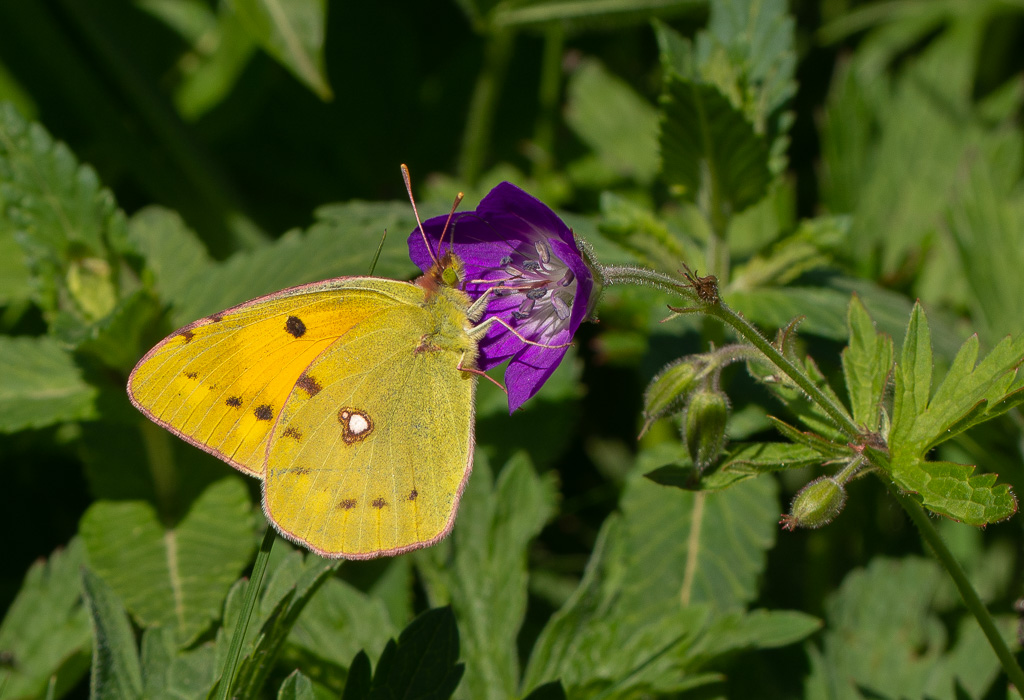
x,y
293,33
921,422
296,687
913,376
701,556
882,633
422,664
984,221
175,259
64,220
867,365
219,49
42,385
583,14
614,121
758,629
343,241
756,38
360,678
639,230
709,151
170,673
116,672
46,628
481,570
173,576
290,587
547,691
743,461
362,620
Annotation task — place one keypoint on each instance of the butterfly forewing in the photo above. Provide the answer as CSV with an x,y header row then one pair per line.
x,y
374,445
221,382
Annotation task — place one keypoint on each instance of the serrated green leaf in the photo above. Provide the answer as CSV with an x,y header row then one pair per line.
x,y
173,576
481,570
748,52
64,220
293,33
867,365
343,241
700,554
46,629
614,121
920,422
116,672
423,662
42,385
709,151
950,489
296,686
883,634
171,673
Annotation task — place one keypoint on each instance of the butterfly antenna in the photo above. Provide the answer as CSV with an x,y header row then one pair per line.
x,y
455,205
408,188
380,247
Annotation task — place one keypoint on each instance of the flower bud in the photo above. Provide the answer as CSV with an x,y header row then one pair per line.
x,y
704,426
668,391
816,504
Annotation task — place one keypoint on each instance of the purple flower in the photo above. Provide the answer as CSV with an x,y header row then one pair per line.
x,y
516,246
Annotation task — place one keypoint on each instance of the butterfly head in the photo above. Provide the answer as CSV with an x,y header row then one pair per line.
x,y
448,271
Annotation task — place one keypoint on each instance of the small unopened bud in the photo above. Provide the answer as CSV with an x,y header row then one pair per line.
x,y
816,504
707,412
668,391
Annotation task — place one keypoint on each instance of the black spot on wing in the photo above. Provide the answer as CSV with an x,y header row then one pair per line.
x,y
308,384
264,412
295,326
413,494
293,433
192,375
347,504
379,503
233,401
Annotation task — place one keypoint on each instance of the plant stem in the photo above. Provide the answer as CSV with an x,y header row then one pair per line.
x,y
252,592
838,413
484,104
970,597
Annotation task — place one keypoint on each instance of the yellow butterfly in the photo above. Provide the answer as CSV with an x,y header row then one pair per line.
x,y
351,398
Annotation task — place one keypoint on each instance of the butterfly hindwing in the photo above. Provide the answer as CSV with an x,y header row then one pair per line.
x,y
221,382
373,447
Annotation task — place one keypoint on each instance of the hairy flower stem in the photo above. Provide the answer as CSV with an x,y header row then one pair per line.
x,y
719,310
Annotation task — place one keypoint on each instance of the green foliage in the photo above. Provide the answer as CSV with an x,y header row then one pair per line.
x,y
165,159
